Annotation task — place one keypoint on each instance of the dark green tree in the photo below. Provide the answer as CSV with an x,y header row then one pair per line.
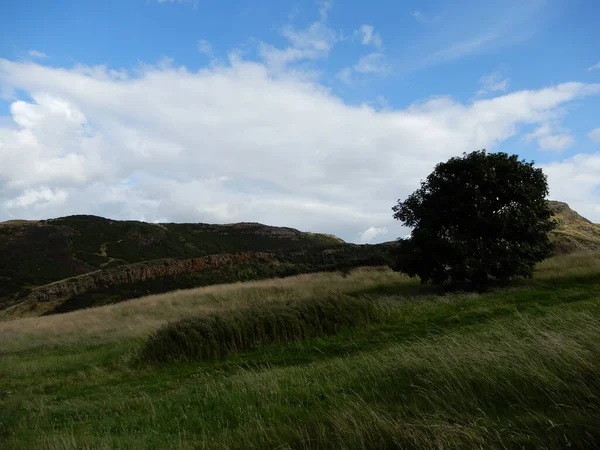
x,y
477,216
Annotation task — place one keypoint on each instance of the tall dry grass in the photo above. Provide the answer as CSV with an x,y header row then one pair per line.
x,y
575,264
139,317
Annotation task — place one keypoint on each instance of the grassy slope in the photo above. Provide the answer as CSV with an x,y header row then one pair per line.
x,y
574,232
516,368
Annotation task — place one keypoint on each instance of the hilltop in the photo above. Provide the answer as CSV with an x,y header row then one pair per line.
x,y
574,232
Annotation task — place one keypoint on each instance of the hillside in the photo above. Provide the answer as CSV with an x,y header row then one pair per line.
x,y
73,262
574,232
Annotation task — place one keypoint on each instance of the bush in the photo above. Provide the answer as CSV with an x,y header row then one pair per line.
x,y
217,335
246,274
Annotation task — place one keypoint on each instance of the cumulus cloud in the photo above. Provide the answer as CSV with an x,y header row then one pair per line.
x,y
547,140
576,180
234,142
594,135
556,142
371,233
368,36
33,197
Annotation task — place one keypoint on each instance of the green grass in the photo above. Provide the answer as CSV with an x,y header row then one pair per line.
x,y
512,368
216,335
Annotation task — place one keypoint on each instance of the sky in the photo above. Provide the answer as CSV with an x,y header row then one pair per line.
x,y
317,115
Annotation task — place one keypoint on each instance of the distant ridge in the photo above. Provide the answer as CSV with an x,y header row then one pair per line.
x,y
78,261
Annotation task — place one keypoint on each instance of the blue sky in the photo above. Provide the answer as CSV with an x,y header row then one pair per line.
x,y
312,114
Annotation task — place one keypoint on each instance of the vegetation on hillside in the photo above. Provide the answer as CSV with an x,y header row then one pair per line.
x,y
573,233
477,216
74,248
61,265
512,368
40,252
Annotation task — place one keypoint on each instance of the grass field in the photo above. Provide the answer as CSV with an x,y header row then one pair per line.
x,y
513,368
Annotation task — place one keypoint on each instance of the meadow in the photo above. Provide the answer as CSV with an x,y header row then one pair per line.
x,y
516,367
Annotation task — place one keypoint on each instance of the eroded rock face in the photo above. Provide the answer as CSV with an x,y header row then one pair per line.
x,y
135,272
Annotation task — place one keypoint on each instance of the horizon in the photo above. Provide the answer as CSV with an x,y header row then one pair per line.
x,y
316,116
226,224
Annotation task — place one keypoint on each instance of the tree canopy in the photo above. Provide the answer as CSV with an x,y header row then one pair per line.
x,y
476,216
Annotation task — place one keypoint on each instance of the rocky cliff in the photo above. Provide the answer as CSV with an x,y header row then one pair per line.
x,y
133,273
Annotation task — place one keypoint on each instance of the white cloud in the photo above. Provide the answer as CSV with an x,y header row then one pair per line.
x,y
493,83
372,63
594,135
556,142
204,47
36,54
310,43
368,36
372,233
595,67
234,142
549,141
576,180
35,198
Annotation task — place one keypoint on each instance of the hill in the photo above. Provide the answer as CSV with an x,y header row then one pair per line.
x,y
574,232
72,262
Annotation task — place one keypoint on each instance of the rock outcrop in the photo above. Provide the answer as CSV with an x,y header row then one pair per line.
x,y
132,273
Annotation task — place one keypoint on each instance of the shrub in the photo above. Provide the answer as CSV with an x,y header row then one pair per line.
x,y
219,334
246,274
